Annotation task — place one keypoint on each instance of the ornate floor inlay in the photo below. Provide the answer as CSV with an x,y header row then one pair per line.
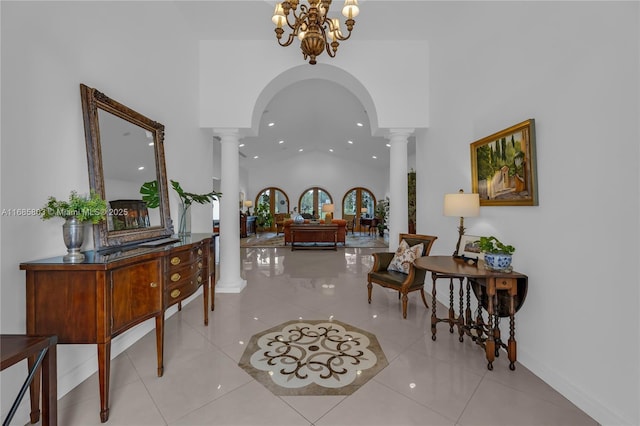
x,y
313,357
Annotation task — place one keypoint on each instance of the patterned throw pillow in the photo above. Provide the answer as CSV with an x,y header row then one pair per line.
x,y
405,256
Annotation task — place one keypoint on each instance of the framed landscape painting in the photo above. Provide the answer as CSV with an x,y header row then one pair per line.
x,y
503,167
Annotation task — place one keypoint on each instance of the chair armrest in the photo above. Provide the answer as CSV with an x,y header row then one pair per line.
x,y
381,261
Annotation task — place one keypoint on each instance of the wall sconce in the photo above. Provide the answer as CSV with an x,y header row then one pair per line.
x,y
248,204
328,210
461,205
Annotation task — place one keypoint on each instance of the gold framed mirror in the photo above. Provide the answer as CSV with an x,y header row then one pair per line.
x,y
125,149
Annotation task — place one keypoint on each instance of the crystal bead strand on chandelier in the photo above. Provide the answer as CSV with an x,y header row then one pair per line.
x,y
313,27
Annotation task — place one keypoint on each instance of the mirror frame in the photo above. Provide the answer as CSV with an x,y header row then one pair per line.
x,y
92,101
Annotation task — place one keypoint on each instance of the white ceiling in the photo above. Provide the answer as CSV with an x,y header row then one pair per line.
x,y
313,115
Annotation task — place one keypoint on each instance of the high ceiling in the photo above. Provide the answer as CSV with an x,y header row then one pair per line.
x,y
313,115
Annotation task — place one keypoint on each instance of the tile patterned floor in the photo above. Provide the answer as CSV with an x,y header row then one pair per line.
x,y
426,383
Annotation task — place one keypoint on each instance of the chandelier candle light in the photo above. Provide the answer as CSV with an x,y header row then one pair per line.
x,y
315,30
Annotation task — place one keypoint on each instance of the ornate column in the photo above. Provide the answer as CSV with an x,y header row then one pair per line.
x,y
230,280
398,199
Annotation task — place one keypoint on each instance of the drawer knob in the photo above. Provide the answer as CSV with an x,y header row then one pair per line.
x,y
153,285
199,252
175,260
199,265
175,293
199,278
175,277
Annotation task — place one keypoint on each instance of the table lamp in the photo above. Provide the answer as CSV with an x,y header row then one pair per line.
x,y
363,211
248,204
328,210
461,205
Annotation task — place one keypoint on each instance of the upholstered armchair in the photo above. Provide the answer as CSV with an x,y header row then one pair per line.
x,y
412,278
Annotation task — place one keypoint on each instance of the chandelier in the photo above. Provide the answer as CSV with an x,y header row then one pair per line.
x,y
315,30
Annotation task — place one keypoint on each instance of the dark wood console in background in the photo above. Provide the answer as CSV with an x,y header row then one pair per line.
x,y
113,290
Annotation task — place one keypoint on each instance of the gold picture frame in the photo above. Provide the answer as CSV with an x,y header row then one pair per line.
x,y
503,167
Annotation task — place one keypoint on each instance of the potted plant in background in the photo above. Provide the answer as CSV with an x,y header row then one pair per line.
x,y
264,218
77,211
149,191
497,256
381,213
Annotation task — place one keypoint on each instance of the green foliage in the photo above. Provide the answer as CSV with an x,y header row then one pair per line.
x,y
493,245
91,208
382,212
188,198
150,195
149,191
264,218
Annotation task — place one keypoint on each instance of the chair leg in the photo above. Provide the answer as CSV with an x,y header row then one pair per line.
x,y
369,287
424,299
405,300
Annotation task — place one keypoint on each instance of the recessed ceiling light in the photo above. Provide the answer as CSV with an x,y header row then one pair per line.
x,y
141,168
351,142
330,149
241,145
388,145
271,124
300,150
280,141
374,157
151,144
359,124
255,156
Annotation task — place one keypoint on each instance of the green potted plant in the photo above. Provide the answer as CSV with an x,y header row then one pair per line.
x,y
77,211
497,256
264,218
149,192
381,213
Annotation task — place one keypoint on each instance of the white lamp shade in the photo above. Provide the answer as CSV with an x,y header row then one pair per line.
x,y
278,17
248,203
350,9
327,208
461,205
363,210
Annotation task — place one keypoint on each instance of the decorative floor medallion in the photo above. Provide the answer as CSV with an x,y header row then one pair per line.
x,y
313,357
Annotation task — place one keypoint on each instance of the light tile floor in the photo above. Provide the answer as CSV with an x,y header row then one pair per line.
x,y
426,383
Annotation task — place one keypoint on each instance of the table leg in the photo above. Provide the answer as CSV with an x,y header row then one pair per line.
x,y
512,346
104,367
160,343
49,387
452,313
434,319
461,324
490,345
34,390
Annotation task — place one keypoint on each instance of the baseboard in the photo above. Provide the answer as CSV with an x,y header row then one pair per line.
x,y
592,407
83,371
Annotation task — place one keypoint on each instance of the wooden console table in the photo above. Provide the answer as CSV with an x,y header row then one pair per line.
x,y
39,350
500,293
113,290
312,233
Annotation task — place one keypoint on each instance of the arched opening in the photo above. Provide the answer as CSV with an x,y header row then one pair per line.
x,y
358,203
311,201
271,206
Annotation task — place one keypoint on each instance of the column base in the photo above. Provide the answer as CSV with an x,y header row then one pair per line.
x,y
230,286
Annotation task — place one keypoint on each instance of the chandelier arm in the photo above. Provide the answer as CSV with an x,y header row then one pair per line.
x,y
329,51
290,39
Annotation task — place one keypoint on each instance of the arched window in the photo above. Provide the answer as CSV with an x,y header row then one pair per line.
x,y
275,200
311,202
358,202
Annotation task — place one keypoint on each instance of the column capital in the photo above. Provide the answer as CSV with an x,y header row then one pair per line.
x,y
399,133
227,132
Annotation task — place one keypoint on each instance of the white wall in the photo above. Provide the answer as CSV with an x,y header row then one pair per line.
x,y
574,68
329,172
131,52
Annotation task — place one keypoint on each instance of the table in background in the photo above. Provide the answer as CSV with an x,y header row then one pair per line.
x,y
314,233
493,290
39,350
370,222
